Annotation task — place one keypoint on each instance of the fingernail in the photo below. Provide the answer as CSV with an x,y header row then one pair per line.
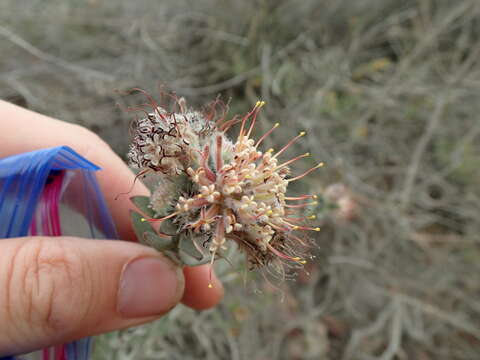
x,y
149,286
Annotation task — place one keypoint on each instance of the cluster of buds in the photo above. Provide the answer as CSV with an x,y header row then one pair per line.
x,y
213,190
166,142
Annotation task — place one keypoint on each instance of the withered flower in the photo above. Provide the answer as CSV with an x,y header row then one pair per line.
x,y
212,189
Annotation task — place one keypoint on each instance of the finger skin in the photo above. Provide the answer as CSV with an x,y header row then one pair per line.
x,y
55,290
22,130
203,290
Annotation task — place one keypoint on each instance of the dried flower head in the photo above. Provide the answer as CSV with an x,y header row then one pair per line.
x,y
212,189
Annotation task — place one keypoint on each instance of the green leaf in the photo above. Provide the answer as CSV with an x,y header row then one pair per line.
x,y
180,248
157,242
143,204
168,227
188,252
140,226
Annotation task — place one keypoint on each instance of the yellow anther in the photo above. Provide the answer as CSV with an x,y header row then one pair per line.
x,y
320,164
303,262
276,125
316,229
314,203
302,133
270,150
248,177
259,104
295,227
315,196
311,217
306,154
143,219
296,259
269,212
210,286
200,196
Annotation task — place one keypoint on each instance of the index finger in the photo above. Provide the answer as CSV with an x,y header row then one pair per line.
x,y
22,130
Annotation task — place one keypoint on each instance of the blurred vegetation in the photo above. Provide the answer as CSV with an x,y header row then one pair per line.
x,y
388,92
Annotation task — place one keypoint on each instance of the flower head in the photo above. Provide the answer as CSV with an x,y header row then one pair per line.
x,y
216,190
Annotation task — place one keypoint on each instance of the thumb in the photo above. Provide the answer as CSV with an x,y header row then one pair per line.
x,y
55,290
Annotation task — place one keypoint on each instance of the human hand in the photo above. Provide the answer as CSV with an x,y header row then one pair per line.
x,y
55,290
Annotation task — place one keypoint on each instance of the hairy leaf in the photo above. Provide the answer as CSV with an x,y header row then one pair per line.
x,y
143,204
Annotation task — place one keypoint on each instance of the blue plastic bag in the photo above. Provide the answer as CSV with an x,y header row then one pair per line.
x,y
53,192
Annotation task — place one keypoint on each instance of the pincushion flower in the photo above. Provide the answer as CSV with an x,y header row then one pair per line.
x,y
212,190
